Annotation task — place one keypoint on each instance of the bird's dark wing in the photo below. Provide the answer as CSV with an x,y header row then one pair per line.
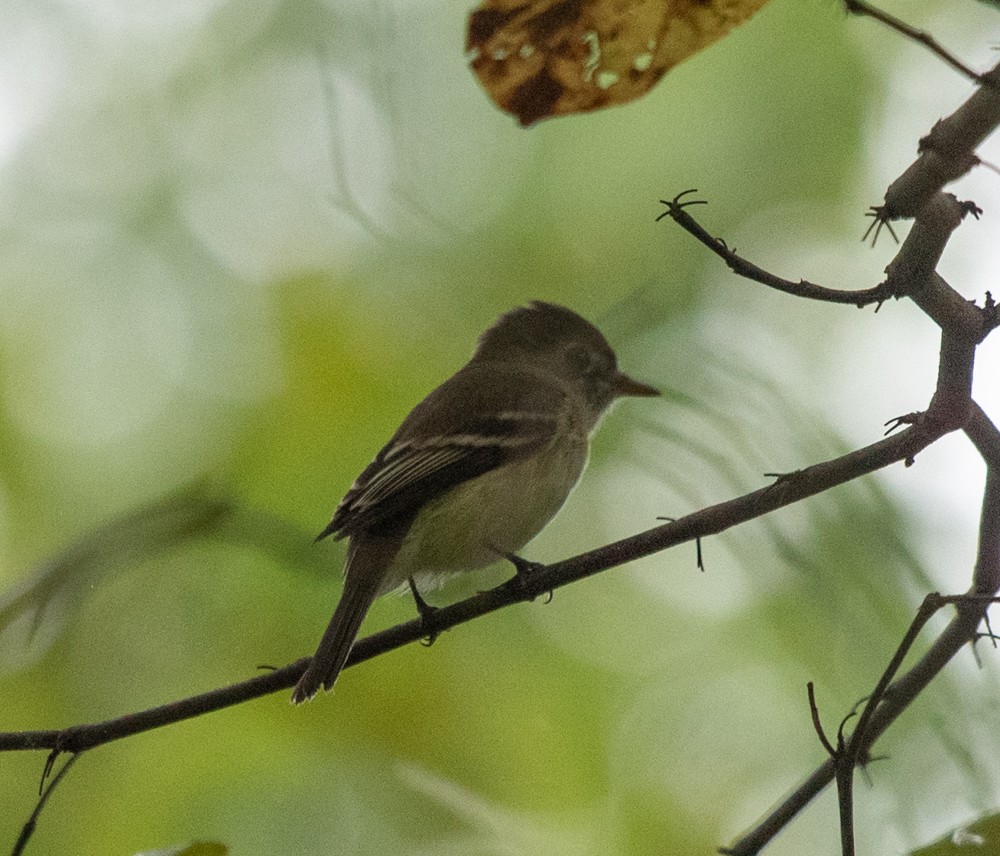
x,y
466,427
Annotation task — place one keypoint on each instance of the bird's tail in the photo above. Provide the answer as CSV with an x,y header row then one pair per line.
x,y
366,566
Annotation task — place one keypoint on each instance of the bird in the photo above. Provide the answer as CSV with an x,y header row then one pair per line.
x,y
475,471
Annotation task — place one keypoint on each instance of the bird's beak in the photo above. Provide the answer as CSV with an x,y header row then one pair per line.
x,y
624,385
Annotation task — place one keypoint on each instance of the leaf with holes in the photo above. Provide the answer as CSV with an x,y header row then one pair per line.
x,y
542,58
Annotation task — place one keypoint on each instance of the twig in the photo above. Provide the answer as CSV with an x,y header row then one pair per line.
x,y
29,827
930,604
844,770
961,630
880,221
676,210
817,724
859,7
844,776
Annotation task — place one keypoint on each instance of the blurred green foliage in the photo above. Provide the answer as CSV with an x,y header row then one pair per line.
x,y
981,836
241,240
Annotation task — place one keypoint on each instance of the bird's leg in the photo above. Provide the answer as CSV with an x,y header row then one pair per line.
x,y
426,614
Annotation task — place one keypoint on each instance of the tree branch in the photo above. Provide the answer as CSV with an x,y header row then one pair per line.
x,y
676,210
859,7
947,152
960,631
708,521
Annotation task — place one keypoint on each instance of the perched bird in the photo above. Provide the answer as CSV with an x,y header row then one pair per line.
x,y
477,468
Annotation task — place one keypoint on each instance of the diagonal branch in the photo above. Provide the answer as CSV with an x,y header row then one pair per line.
x,y
962,629
786,490
947,152
859,7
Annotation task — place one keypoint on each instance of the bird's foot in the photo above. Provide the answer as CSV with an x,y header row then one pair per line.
x,y
427,613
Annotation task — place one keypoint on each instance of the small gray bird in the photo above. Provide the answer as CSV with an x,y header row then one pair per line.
x,y
476,470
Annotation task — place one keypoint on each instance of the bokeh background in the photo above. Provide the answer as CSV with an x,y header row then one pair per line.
x,y
239,240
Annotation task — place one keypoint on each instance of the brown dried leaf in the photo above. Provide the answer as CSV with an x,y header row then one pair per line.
x,y
541,58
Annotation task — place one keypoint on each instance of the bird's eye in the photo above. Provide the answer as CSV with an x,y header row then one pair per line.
x,y
589,362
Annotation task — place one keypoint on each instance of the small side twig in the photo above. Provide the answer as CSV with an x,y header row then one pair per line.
x,y
46,792
880,220
930,604
676,210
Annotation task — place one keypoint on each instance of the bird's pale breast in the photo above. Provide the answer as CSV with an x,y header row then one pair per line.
x,y
476,522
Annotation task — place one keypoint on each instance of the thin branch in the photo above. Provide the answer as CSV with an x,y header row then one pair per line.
x,y
945,154
986,438
930,604
859,7
29,827
708,521
817,724
961,630
910,274
676,210
844,775
963,326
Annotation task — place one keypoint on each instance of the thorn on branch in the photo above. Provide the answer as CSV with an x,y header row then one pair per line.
x,y
863,758
782,477
699,561
524,570
50,762
896,422
843,724
970,207
991,314
43,797
989,634
990,166
880,218
676,210
677,205
863,767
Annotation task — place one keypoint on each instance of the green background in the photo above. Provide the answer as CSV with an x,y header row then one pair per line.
x,y
241,239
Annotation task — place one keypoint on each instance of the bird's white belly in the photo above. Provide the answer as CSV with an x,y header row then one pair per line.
x,y
476,522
